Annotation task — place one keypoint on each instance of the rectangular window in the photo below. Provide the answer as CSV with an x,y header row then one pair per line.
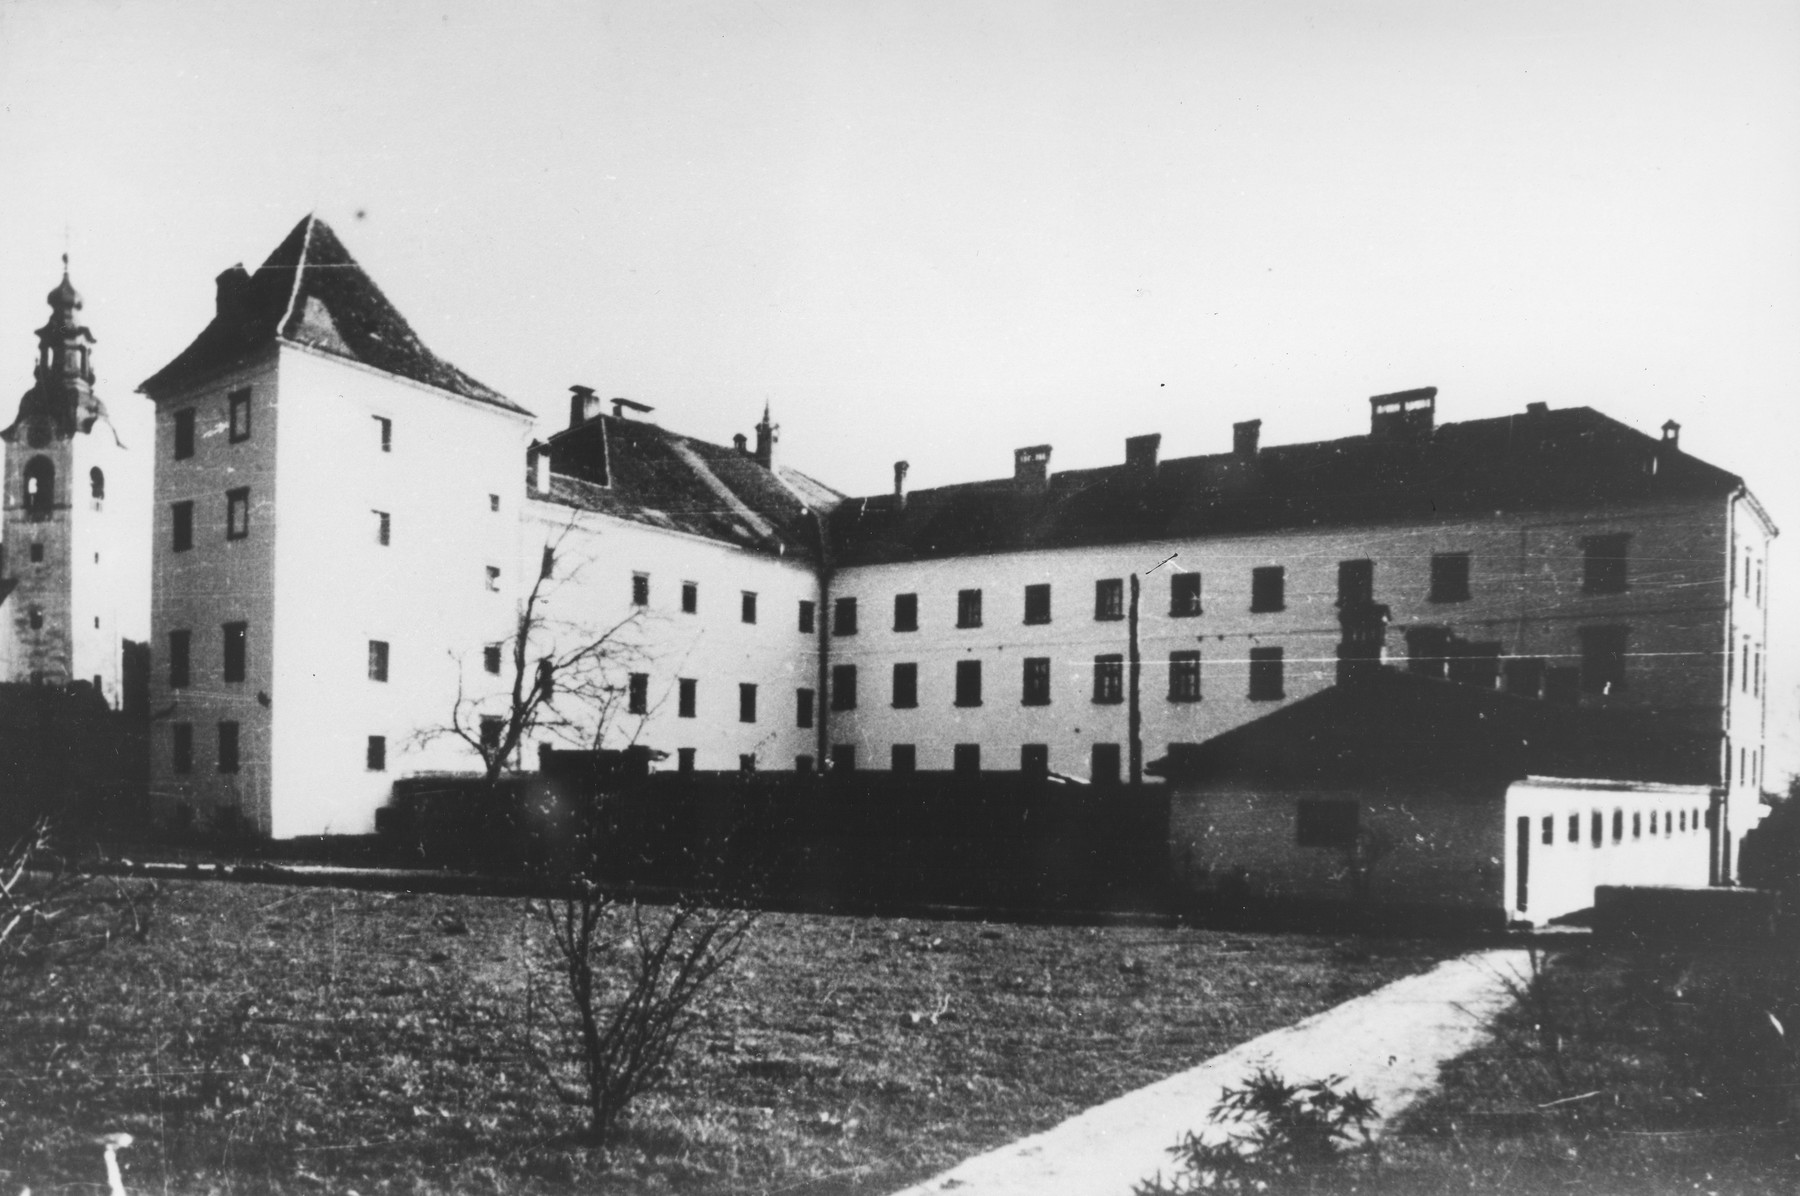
x,y
1602,659
903,757
378,660
1103,764
546,563
183,516
803,707
640,589
1184,676
490,658
906,612
968,608
1268,588
1603,564
1184,595
1323,822
803,764
375,758
749,607
493,502
1356,583
686,696
843,757
179,645
1597,828
1549,830
1109,679
1037,603
1618,826
1109,599
228,746
181,749
684,759
747,762
807,609
968,683
746,703
1574,828
235,650
1266,675
843,617
385,427
1036,681
384,528
690,598
240,415
1034,759
1449,577
37,554
237,513
637,694
546,677
843,687
493,579
492,729
966,757
184,433
906,685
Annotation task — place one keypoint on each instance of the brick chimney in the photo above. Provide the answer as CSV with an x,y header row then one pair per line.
x,y
1245,437
1141,451
1404,414
228,304
1031,466
1671,441
741,443
900,468
584,405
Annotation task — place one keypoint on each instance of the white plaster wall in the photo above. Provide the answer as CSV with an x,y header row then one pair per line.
x,y
425,594
1563,873
100,602
1526,593
591,589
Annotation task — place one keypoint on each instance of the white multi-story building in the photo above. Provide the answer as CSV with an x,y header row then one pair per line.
x,y
348,530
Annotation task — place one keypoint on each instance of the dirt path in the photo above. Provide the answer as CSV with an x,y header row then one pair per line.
x,y
1389,1044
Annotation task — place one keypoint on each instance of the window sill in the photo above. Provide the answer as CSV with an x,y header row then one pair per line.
x,y
906,705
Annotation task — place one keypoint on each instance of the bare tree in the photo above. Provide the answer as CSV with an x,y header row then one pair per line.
x,y
52,907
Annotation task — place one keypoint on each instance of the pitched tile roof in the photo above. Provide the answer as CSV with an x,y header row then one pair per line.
x,y
1574,457
641,472
311,292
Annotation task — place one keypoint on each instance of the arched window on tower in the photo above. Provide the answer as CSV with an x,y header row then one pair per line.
x,y
40,487
97,482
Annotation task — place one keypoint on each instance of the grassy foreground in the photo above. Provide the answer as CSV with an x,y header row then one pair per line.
x,y
280,1040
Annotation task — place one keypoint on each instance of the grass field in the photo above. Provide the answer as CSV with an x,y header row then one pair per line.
x,y
280,1040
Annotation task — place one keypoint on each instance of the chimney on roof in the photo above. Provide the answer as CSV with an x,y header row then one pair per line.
x,y
900,468
765,440
1141,451
584,405
229,303
620,405
1245,436
1536,409
1404,414
1671,441
741,442
1031,466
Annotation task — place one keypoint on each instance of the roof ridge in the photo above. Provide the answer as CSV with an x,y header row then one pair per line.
x,y
299,266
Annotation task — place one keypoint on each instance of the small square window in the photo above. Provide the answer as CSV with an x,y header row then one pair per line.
x,y
493,578
1321,822
968,683
803,764
228,746
384,528
240,415
747,762
1109,679
690,598
1268,589
637,694
493,730
546,563
843,617
237,513
181,749
385,427
37,554
490,658
684,759
493,502
378,660
1604,561
803,707
968,608
1037,603
1449,577
843,687
375,758
687,697
1037,681
966,757
1034,759
1356,584
749,606
1266,681
808,612
1184,595
640,589
182,526
906,612
236,637
1109,599
843,757
184,433
1184,676
903,757
906,685
35,617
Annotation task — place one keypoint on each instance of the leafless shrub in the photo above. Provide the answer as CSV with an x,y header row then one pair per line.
x,y
53,907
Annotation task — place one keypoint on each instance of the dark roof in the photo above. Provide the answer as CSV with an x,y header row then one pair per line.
x,y
1543,460
311,292
1398,727
641,472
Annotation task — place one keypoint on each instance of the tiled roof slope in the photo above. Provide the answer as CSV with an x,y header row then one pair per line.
x,y
311,292
1544,460
638,471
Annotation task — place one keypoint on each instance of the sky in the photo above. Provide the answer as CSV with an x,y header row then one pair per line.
x,y
941,231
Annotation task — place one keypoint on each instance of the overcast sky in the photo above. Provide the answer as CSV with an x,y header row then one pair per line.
x,y
940,231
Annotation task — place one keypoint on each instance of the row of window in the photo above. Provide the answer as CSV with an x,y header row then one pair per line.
x,y
181,749
1662,822
37,483
235,638
690,597
237,519
237,416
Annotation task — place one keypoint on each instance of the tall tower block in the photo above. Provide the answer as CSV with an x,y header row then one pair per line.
x,y
59,584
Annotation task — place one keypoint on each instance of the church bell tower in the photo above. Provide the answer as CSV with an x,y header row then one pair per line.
x,y
59,597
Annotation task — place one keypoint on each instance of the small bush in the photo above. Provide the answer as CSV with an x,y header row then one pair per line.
x,y
1301,1135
